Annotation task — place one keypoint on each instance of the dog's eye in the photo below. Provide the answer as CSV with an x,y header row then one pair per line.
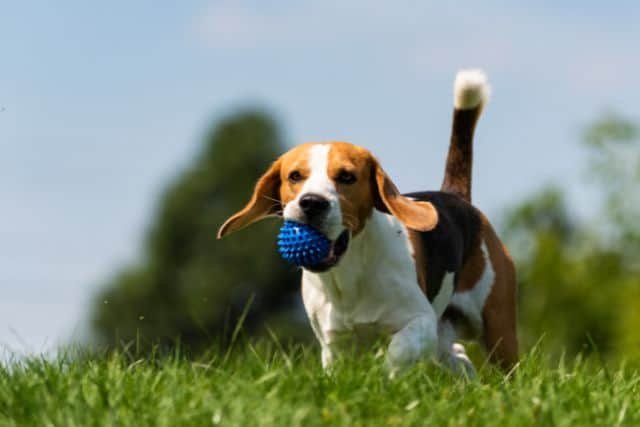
x,y
295,176
345,177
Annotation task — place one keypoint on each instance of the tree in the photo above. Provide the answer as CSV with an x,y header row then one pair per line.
x,y
189,285
580,281
614,146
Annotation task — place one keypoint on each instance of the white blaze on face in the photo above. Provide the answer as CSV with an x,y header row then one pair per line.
x,y
319,183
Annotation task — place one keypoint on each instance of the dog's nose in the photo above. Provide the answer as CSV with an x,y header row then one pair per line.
x,y
313,205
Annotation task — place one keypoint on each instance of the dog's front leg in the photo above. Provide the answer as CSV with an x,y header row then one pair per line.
x,y
327,358
417,339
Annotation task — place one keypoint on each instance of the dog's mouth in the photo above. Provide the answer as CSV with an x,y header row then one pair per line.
x,y
338,249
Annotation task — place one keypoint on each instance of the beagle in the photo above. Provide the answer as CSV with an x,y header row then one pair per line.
x,y
418,269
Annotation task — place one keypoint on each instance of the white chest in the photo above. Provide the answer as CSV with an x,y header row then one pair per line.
x,y
372,293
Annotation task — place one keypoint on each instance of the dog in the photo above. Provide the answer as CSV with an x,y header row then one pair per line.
x,y
420,269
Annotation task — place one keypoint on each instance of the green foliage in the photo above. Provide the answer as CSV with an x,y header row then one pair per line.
x,y
261,385
580,282
614,145
189,285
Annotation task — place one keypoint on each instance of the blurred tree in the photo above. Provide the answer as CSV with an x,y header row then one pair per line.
x,y
580,282
562,279
614,145
191,286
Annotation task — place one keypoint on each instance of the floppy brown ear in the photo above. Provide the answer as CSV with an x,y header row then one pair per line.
x,y
264,202
416,215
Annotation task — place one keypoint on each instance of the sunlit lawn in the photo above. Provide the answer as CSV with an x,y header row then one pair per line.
x,y
265,385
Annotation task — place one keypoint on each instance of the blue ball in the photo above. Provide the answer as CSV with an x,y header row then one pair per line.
x,y
302,245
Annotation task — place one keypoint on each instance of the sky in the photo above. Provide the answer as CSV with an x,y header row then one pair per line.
x,y
102,104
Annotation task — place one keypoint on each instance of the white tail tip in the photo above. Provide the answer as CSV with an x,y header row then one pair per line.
x,y
470,89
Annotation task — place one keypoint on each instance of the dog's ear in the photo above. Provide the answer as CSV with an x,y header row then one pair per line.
x,y
264,202
416,215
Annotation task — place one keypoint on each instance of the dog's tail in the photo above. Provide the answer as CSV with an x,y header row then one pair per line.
x,y
470,94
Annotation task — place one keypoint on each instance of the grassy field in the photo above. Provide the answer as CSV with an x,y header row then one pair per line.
x,y
265,385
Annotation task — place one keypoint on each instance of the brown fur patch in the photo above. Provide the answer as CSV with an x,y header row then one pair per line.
x,y
264,202
416,215
356,199
296,159
500,310
273,190
473,269
457,177
420,259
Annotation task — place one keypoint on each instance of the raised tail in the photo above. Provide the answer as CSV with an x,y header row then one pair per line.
x,y
470,94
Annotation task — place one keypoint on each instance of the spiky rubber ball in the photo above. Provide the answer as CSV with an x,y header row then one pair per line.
x,y
302,245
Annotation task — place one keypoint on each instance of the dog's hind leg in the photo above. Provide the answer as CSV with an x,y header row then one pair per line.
x,y
500,337
499,315
451,353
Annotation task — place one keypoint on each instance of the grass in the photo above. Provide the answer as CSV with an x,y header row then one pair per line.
x,y
266,385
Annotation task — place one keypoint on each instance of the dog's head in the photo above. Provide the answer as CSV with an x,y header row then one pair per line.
x,y
333,187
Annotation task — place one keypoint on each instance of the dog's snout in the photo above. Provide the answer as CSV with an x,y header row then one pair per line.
x,y
313,204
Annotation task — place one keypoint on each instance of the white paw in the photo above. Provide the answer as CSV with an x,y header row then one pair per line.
x,y
459,362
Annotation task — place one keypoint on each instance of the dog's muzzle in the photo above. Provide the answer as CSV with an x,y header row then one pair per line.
x,y
317,211
338,249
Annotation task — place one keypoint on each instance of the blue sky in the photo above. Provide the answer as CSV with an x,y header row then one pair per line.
x,y
101,104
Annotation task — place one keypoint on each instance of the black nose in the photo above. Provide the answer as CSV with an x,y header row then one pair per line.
x,y
313,204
